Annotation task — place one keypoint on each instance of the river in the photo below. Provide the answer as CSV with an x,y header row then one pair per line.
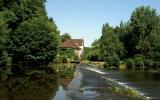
x,y
146,82
87,85
79,83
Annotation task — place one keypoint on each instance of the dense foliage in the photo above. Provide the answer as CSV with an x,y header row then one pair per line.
x,y
111,47
137,40
27,36
66,55
34,41
93,53
144,31
3,39
65,37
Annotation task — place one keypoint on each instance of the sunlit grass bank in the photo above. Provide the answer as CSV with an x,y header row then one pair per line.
x,y
125,91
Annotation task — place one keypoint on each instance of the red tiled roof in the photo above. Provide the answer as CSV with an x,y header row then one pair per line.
x,y
72,43
78,42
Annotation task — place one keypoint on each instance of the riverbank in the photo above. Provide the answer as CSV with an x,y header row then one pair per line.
x,y
115,86
145,82
88,85
84,82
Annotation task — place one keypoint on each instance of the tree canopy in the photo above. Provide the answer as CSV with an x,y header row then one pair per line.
x,y
111,46
65,37
34,41
137,39
27,35
144,26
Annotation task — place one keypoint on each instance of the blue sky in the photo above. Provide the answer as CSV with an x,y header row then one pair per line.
x,y
84,18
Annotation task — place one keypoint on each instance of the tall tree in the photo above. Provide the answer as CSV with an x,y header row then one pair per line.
x,y
35,41
94,53
65,37
33,37
111,46
123,34
23,10
144,25
3,39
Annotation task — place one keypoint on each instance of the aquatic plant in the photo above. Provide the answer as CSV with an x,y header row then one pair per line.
x,y
125,91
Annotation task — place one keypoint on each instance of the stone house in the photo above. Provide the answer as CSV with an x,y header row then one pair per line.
x,y
76,44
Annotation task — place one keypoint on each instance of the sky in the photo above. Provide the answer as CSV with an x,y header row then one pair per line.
x,y
84,18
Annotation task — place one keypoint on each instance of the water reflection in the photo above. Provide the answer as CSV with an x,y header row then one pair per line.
x,y
147,82
33,87
65,76
44,86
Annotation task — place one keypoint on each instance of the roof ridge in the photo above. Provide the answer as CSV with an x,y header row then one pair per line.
x,y
71,43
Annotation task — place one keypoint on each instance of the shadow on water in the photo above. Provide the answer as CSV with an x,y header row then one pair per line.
x,y
37,86
60,85
65,75
34,87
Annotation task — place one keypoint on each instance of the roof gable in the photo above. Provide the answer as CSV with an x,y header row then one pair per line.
x,y
72,43
78,42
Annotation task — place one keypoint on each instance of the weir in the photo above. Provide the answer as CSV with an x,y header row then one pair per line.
x,y
89,84
113,82
145,82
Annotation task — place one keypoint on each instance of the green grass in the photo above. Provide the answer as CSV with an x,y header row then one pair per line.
x,y
125,91
94,63
122,65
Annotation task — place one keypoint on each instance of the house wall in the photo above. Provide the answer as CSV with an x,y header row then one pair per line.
x,y
76,52
80,52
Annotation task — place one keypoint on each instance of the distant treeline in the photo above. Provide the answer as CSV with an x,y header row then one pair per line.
x,y
136,41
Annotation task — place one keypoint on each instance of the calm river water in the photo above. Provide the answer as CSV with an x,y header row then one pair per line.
x,y
76,83
148,83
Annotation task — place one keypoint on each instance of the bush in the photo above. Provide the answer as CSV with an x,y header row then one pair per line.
x,y
5,59
67,55
130,63
148,63
116,62
140,56
57,59
113,61
138,61
156,65
34,42
105,65
125,91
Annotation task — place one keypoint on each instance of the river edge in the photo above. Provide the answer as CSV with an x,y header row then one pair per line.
x,y
77,89
89,85
112,82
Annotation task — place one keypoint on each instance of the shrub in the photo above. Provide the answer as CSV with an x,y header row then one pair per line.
x,y
109,60
113,61
57,59
34,42
116,62
125,91
138,61
105,65
67,55
148,63
130,63
140,56
156,65
122,62
5,59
